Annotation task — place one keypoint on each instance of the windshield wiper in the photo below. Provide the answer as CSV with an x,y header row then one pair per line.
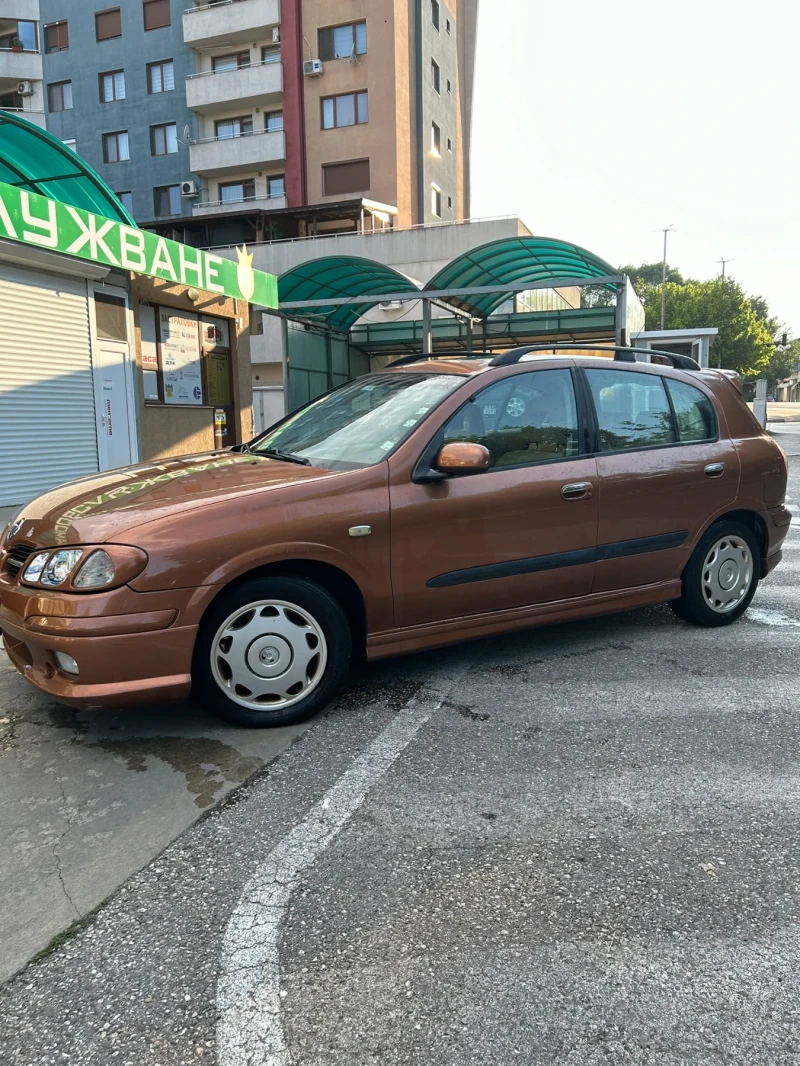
x,y
286,457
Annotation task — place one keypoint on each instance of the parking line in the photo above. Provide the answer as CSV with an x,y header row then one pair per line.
x,y
249,1026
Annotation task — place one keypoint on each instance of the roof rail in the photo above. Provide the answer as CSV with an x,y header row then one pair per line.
x,y
408,360
621,355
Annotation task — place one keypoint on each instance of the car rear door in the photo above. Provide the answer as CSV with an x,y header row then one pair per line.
x,y
666,470
522,532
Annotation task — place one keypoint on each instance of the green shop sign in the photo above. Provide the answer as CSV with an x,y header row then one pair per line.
x,y
45,223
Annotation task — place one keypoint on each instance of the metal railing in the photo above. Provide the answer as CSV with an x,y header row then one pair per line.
x,y
232,136
24,51
269,62
244,200
206,7
24,110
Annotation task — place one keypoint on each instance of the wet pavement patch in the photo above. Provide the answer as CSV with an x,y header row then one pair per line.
x,y
206,764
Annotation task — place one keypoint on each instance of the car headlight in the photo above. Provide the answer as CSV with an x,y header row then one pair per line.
x,y
96,573
88,569
59,566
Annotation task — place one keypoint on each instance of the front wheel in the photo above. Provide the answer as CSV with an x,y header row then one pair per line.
x,y
272,652
721,577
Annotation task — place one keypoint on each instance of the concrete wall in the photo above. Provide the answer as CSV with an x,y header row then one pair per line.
x,y
86,58
176,430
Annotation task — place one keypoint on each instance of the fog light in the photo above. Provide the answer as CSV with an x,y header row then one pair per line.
x,y
66,663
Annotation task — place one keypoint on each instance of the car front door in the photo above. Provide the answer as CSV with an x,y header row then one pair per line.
x,y
665,472
523,531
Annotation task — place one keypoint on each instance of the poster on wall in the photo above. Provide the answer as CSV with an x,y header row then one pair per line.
x,y
216,334
180,357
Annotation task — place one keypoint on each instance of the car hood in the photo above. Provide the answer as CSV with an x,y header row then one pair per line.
x,y
98,508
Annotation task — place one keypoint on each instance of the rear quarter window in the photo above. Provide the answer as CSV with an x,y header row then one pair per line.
x,y
695,416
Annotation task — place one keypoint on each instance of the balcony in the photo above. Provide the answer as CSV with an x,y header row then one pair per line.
x,y
18,66
31,115
221,207
228,155
255,86
217,25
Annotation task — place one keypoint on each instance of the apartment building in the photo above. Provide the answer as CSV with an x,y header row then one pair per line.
x,y
242,106
21,90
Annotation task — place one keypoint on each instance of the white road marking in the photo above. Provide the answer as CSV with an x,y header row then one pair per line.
x,y
770,618
249,1026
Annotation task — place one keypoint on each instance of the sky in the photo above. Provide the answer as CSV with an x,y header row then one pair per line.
x,y
603,123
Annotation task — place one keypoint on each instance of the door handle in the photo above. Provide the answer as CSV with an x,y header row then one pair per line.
x,y
715,470
578,490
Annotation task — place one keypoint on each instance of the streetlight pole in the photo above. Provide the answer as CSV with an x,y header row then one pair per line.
x,y
664,277
724,262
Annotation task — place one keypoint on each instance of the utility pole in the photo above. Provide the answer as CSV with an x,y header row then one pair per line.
x,y
664,277
724,261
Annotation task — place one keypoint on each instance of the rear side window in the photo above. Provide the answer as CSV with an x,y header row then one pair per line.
x,y
632,410
694,412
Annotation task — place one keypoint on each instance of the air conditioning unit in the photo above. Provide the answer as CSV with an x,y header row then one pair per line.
x,y
276,35
25,88
313,68
390,305
189,188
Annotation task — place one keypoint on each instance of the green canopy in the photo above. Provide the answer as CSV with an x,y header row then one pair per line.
x,y
512,261
340,277
32,159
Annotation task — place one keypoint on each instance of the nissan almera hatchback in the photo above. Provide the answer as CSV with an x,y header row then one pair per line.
x,y
439,500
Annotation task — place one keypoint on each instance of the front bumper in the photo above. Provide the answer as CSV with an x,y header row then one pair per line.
x,y
131,648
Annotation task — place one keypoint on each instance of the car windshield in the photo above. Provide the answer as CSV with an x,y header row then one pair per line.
x,y
362,422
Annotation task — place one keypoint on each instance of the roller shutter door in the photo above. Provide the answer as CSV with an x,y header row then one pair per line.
x,y
48,431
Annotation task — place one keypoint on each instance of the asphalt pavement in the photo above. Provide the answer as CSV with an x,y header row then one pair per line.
x,y
572,846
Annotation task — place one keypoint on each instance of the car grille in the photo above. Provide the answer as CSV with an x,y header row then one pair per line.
x,y
18,556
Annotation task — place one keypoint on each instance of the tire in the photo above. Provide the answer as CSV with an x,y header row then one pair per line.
x,y
721,577
271,652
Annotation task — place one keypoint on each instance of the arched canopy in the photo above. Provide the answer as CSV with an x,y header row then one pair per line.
x,y
340,277
32,159
512,261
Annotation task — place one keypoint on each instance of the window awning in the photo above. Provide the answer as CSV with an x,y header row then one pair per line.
x,y
36,161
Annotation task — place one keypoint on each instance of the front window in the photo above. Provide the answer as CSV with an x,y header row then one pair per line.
x,y
361,423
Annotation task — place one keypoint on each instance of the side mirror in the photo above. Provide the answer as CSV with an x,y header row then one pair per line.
x,y
460,457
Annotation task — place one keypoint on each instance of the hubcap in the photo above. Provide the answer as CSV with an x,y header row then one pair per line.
x,y
727,574
269,655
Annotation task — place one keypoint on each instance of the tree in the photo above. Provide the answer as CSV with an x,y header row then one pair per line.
x,y
648,276
744,343
783,363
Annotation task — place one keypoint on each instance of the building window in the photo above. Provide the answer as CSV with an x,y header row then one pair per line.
x,y
115,147
349,109
167,200
273,121
340,178
56,36
219,64
448,25
160,76
449,88
108,24
71,143
112,86
436,139
59,96
276,187
271,53
233,192
436,201
156,14
436,77
19,33
449,145
126,199
224,128
450,202
435,14
342,42
164,139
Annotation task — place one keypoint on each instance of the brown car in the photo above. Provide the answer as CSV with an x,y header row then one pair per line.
x,y
439,500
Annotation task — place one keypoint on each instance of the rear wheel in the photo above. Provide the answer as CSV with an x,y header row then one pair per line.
x,y
721,577
272,652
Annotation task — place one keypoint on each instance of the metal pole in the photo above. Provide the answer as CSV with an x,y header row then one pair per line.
x,y
621,316
664,278
427,339
470,338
